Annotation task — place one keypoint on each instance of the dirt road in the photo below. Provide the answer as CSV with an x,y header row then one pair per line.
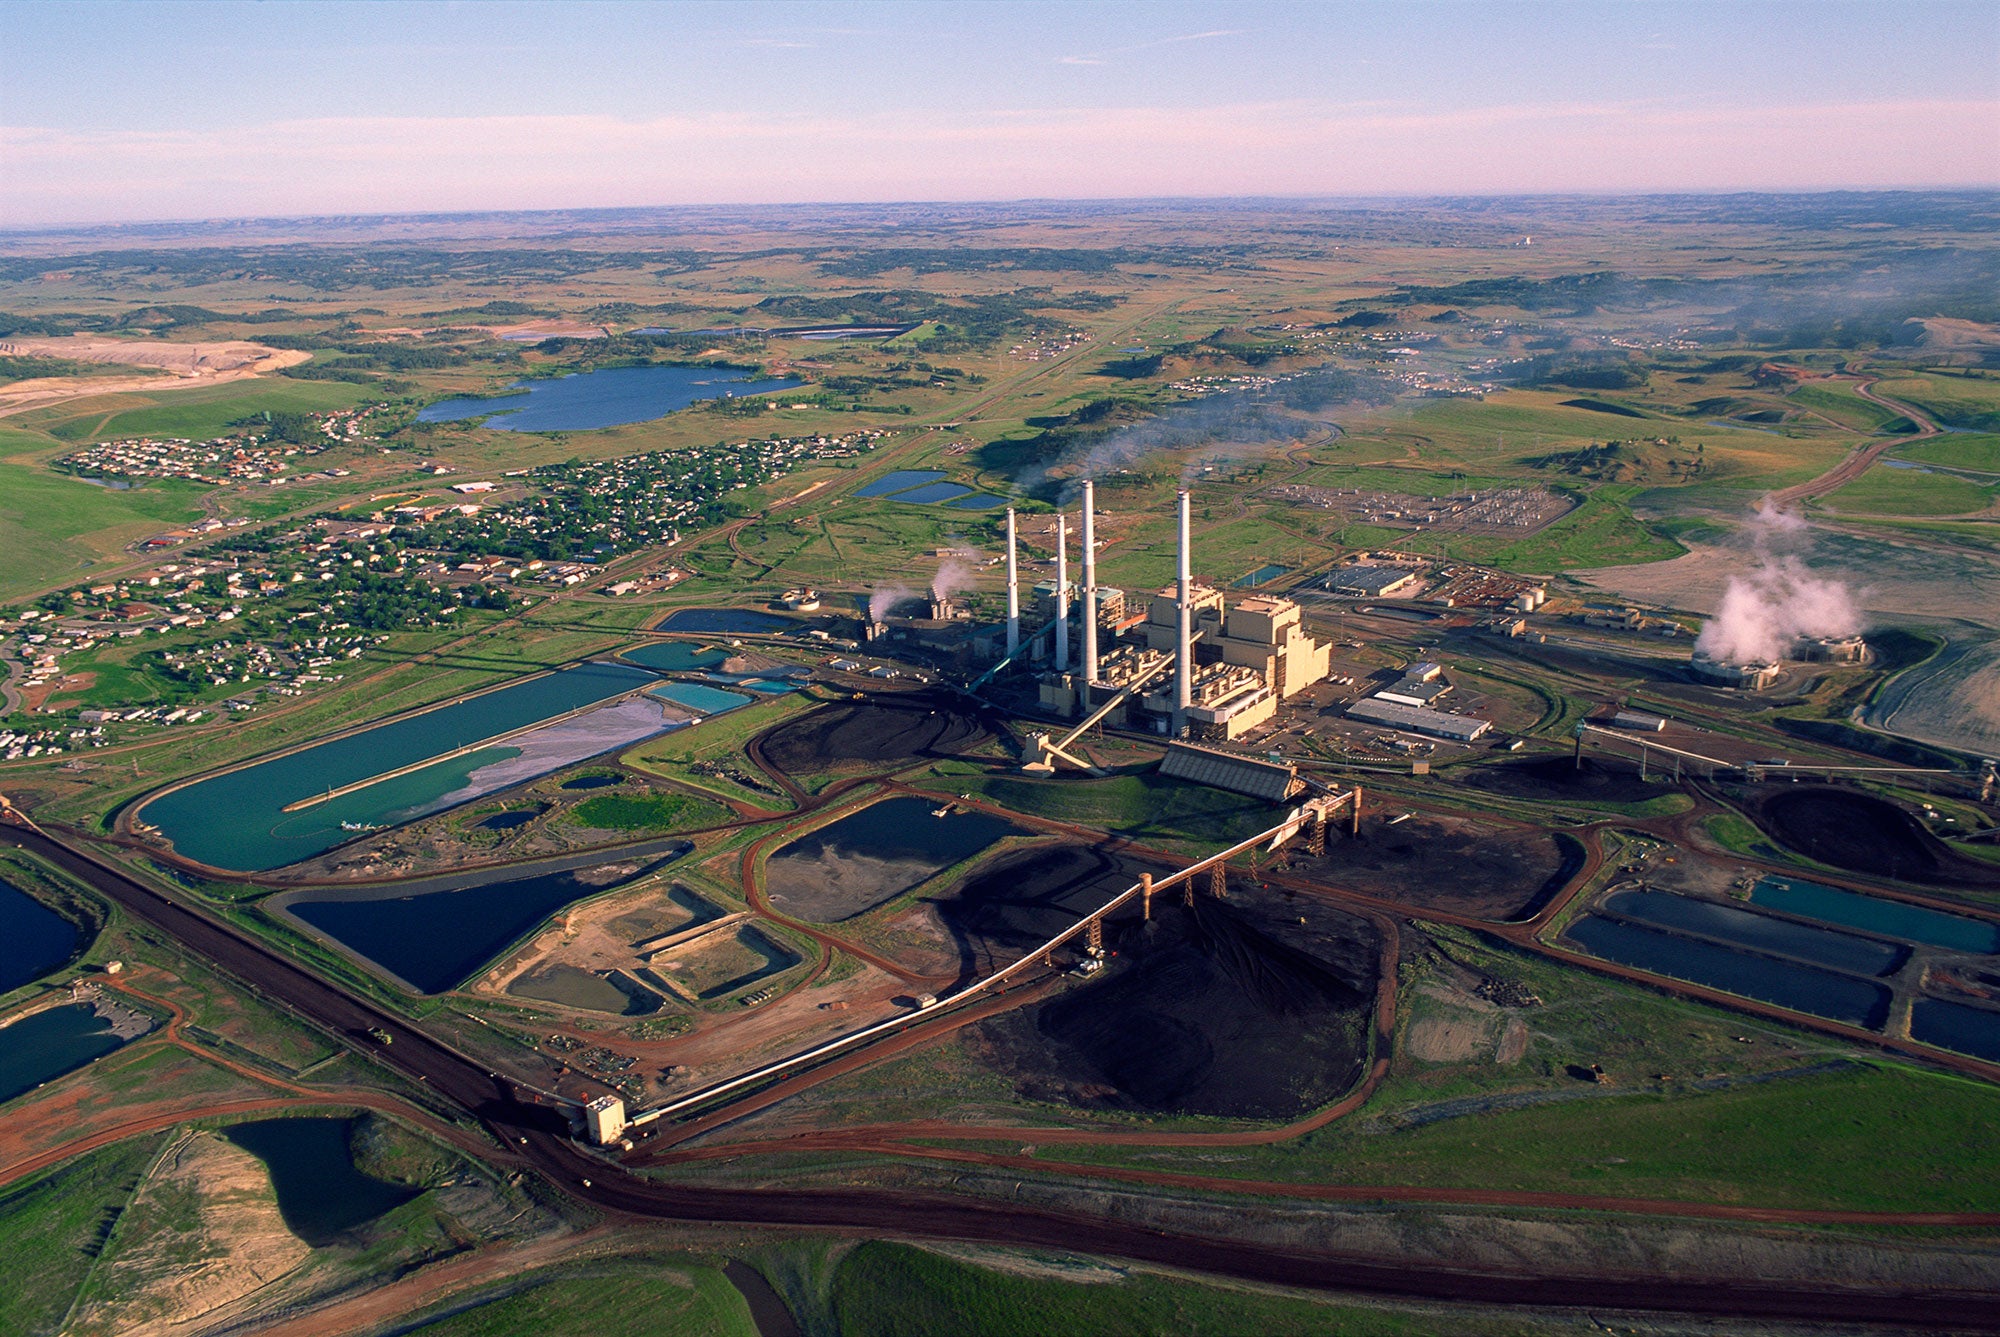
x,y
1861,457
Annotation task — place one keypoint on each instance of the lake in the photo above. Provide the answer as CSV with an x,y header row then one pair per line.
x,y
33,938
608,398
321,1193
237,820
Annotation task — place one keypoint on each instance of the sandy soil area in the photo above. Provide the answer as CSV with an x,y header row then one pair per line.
x,y
189,364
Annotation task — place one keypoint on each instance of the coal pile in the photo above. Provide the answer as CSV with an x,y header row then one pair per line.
x,y
1558,779
1231,1009
1865,834
1445,863
881,730
1021,900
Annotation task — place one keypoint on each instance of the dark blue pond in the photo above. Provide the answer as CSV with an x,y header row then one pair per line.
x,y
43,1047
432,940
321,1193
33,938
1954,1026
593,782
674,656
1810,900
508,821
1802,988
978,501
608,398
722,622
897,481
1761,933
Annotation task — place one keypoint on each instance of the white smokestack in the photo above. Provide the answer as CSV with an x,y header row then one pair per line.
x,y
1013,592
1184,624
1062,593
1089,589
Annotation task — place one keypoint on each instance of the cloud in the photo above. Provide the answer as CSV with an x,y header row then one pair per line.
x,y
1098,57
365,164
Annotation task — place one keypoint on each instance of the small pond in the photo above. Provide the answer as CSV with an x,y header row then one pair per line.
x,y
978,501
1894,919
1759,933
725,622
866,858
674,656
1261,576
1954,1026
321,1193
607,398
593,782
33,938
897,481
509,821
54,1041
933,492
1802,988
698,697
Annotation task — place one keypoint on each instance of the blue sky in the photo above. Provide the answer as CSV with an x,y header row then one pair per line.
x,y
114,110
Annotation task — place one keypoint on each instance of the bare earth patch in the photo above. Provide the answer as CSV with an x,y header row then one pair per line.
x,y
192,364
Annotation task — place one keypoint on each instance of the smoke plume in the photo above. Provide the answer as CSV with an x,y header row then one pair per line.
x,y
1766,610
884,600
952,576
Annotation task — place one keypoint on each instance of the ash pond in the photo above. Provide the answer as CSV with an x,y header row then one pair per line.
x,y
239,820
868,858
432,934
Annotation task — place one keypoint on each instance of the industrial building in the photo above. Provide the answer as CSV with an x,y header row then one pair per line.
x,y
1370,581
1418,719
1721,673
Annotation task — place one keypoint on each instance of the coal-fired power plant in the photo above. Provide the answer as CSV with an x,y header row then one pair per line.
x,y
1186,664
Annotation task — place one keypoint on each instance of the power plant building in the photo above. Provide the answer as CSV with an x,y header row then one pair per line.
x,y
1418,719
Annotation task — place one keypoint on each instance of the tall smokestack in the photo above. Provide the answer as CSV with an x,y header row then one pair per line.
x,y
1089,589
1184,624
1013,592
1062,593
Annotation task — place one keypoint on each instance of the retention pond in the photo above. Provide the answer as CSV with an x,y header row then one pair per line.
x,y
1802,988
321,1193
33,938
1894,919
870,857
58,1040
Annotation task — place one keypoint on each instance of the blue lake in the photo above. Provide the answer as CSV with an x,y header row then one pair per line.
x,y
1802,988
674,656
43,1047
33,938
237,820
608,398
1810,900
897,481
934,492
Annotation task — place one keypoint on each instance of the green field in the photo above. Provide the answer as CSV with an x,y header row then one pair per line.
x,y
54,529
648,812
194,414
51,1227
1145,807
1837,400
893,1290
1955,401
677,1299
1958,450
1886,491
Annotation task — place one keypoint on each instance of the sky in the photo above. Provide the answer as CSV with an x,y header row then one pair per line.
x,y
129,110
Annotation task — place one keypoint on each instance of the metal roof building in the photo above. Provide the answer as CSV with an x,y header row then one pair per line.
x,y
1437,723
1272,781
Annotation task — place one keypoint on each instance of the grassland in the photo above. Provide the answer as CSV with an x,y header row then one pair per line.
x,y
1915,492
54,528
194,414
888,1290
718,741
670,1298
1979,452
1147,808
1955,401
649,812
52,1226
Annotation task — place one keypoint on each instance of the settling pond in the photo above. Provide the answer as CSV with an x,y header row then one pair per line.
x,y
1802,988
321,1193
722,622
1894,919
1954,1026
870,857
237,820
52,1042
434,934
33,938
608,398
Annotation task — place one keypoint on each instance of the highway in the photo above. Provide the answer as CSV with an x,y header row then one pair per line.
x,y
536,1135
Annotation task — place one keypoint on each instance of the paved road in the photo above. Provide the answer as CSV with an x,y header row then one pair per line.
x,y
536,1135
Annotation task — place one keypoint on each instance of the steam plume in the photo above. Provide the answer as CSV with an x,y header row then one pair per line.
x,y
1765,611
952,576
884,600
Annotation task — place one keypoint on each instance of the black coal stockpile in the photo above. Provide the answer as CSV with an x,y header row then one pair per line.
x,y
1447,863
1233,1008
1866,834
881,729
1559,778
